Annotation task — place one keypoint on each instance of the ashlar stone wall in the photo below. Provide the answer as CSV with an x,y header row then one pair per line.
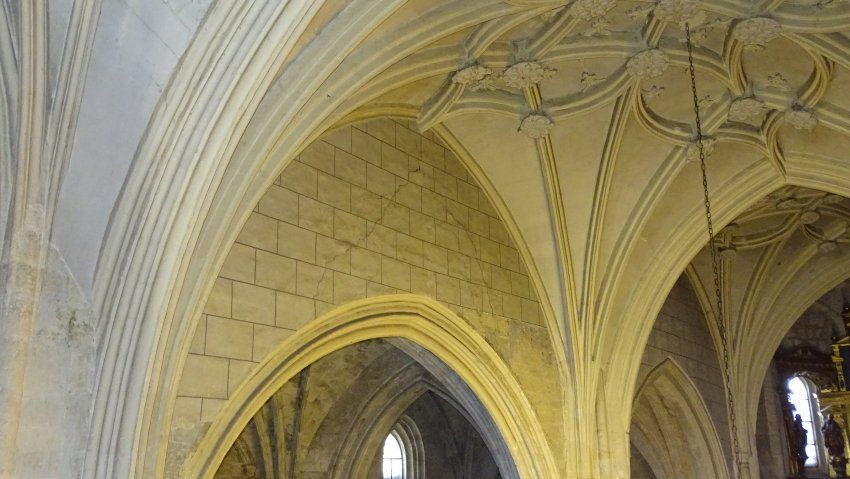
x,y
681,333
367,210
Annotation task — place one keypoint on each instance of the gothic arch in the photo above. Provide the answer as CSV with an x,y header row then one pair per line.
x,y
674,426
426,324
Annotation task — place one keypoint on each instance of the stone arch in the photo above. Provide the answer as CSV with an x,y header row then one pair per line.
x,y
679,439
429,326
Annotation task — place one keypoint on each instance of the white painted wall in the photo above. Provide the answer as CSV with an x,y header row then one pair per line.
x,y
137,46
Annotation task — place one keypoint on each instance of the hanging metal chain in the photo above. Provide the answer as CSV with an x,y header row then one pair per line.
x,y
715,267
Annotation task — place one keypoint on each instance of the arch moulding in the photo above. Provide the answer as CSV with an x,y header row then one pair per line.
x,y
415,318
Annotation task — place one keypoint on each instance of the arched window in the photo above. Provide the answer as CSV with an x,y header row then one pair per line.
x,y
394,464
801,397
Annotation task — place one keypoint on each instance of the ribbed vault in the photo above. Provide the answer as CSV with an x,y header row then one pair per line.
x,y
573,115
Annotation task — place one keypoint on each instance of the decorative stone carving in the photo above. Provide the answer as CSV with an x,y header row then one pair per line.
x,y
536,125
727,253
707,101
677,11
526,74
745,109
809,217
708,144
801,118
599,27
639,14
475,77
756,31
778,82
827,246
589,79
589,9
648,64
832,199
653,92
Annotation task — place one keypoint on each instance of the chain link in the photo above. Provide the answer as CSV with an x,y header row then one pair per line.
x,y
712,244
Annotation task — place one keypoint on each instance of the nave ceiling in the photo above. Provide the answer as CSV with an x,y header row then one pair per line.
x,y
575,118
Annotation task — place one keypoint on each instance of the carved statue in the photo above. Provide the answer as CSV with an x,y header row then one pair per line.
x,y
833,438
799,437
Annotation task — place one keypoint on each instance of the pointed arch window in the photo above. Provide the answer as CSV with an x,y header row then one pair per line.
x,y
394,462
800,396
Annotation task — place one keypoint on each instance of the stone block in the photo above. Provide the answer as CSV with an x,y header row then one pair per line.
x,y
501,279
253,303
366,204
333,254
259,231
349,228
531,312
350,169
267,339
395,274
454,167
378,289
394,161
239,370
365,146
409,249
339,137
300,178
295,242
381,239
200,336
479,223
315,282
457,214
433,154
204,377
315,216
408,194
210,407
490,251
459,265
187,410
280,204
512,306
485,206
396,217
509,258
519,285
447,236
229,338
380,181
423,281
319,155
220,298
334,192
421,173
467,194
275,272
433,205
366,264
448,289
471,296
498,232
445,184
422,227
436,258
239,264
407,140
348,288
294,311
382,129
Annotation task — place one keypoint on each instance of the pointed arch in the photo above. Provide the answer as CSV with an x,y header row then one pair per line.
x,y
442,336
674,427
